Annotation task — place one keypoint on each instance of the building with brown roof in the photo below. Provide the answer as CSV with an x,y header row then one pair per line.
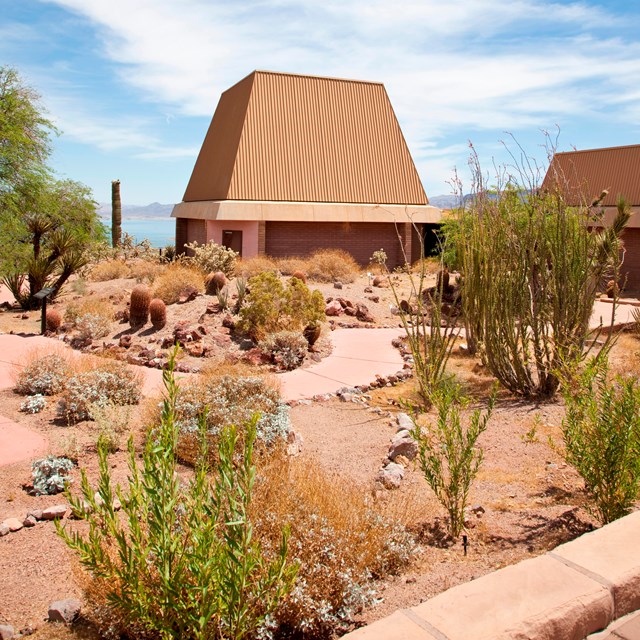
x,y
583,175
292,163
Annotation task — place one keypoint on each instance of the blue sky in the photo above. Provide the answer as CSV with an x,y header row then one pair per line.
x,y
133,84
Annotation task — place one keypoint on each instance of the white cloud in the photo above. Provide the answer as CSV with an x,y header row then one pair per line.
x,y
468,65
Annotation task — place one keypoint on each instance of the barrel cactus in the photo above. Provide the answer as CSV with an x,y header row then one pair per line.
x,y
158,313
139,307
53,319
215,282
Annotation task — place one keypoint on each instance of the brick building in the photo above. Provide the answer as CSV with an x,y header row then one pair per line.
x,y
583,175
291,164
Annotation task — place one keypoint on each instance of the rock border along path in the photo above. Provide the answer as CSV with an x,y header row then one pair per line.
x,y
575,590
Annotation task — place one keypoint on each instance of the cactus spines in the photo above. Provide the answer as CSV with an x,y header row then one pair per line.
x,y
215,282
139,308
158,313
53,319
300,276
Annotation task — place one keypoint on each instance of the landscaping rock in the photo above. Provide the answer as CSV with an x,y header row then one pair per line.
x,y
7,632
380,281
55,512
391,476
403,446
337,285
363,314
125,341
187,294
294,443
64,610
374,299
36,513
404,422
334,308
4,529
14,524
29,521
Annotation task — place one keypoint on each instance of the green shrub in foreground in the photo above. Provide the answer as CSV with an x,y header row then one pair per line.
x,y
181,561
601,432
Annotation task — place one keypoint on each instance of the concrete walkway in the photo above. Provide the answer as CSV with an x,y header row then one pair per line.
x,y
358,356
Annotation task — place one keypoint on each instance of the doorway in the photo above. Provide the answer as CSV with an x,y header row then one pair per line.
x,y
233,240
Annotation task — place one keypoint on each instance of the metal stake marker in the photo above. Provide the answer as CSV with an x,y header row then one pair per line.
x,y
465,543
42,295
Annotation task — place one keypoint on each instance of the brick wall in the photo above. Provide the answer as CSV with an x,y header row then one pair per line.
x,y
631,265
188,230
360,239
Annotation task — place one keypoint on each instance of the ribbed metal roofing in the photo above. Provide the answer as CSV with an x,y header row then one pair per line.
x,y
583,175
284,137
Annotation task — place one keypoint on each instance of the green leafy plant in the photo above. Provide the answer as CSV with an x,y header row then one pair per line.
x,y
182,562
448,455
601,433
272,306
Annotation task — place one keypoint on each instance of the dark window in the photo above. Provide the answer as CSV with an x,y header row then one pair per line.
x,y
232,240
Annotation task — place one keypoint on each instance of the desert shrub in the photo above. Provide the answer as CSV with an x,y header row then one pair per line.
x,y
174,279
601,433
329,265
272,306
447,452
288,266
33,404
109,270
212,257
250,267
111,421
223,586
340,539
106,383
94,306
145,270
287,349
45,375
93,326
224,400
531,268
51,475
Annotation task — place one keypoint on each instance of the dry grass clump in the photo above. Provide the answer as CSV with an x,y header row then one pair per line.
x,y
329,265
91,317
288,266
250,267
174,279
339,537
109,270
145,270
427,266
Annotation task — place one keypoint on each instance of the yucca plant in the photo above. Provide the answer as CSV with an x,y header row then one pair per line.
x,y
181,561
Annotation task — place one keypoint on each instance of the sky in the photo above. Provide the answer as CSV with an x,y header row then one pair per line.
x,y
132,84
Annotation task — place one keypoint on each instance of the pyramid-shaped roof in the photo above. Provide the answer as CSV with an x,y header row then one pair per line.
x,y
284,137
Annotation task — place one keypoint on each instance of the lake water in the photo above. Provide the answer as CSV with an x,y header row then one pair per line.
x,y
159,231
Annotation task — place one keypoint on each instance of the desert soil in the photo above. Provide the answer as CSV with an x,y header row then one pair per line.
x,y
530,500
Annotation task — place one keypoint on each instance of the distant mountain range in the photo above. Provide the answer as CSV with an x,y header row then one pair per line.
x,y
153,210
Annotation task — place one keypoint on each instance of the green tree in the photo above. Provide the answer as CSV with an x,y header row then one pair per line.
x,y
25,133
46,224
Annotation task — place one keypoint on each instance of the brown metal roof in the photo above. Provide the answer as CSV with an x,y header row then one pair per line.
x,y
284,137
583,175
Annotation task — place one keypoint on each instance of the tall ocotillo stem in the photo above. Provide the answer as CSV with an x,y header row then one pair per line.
x,y
116,214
